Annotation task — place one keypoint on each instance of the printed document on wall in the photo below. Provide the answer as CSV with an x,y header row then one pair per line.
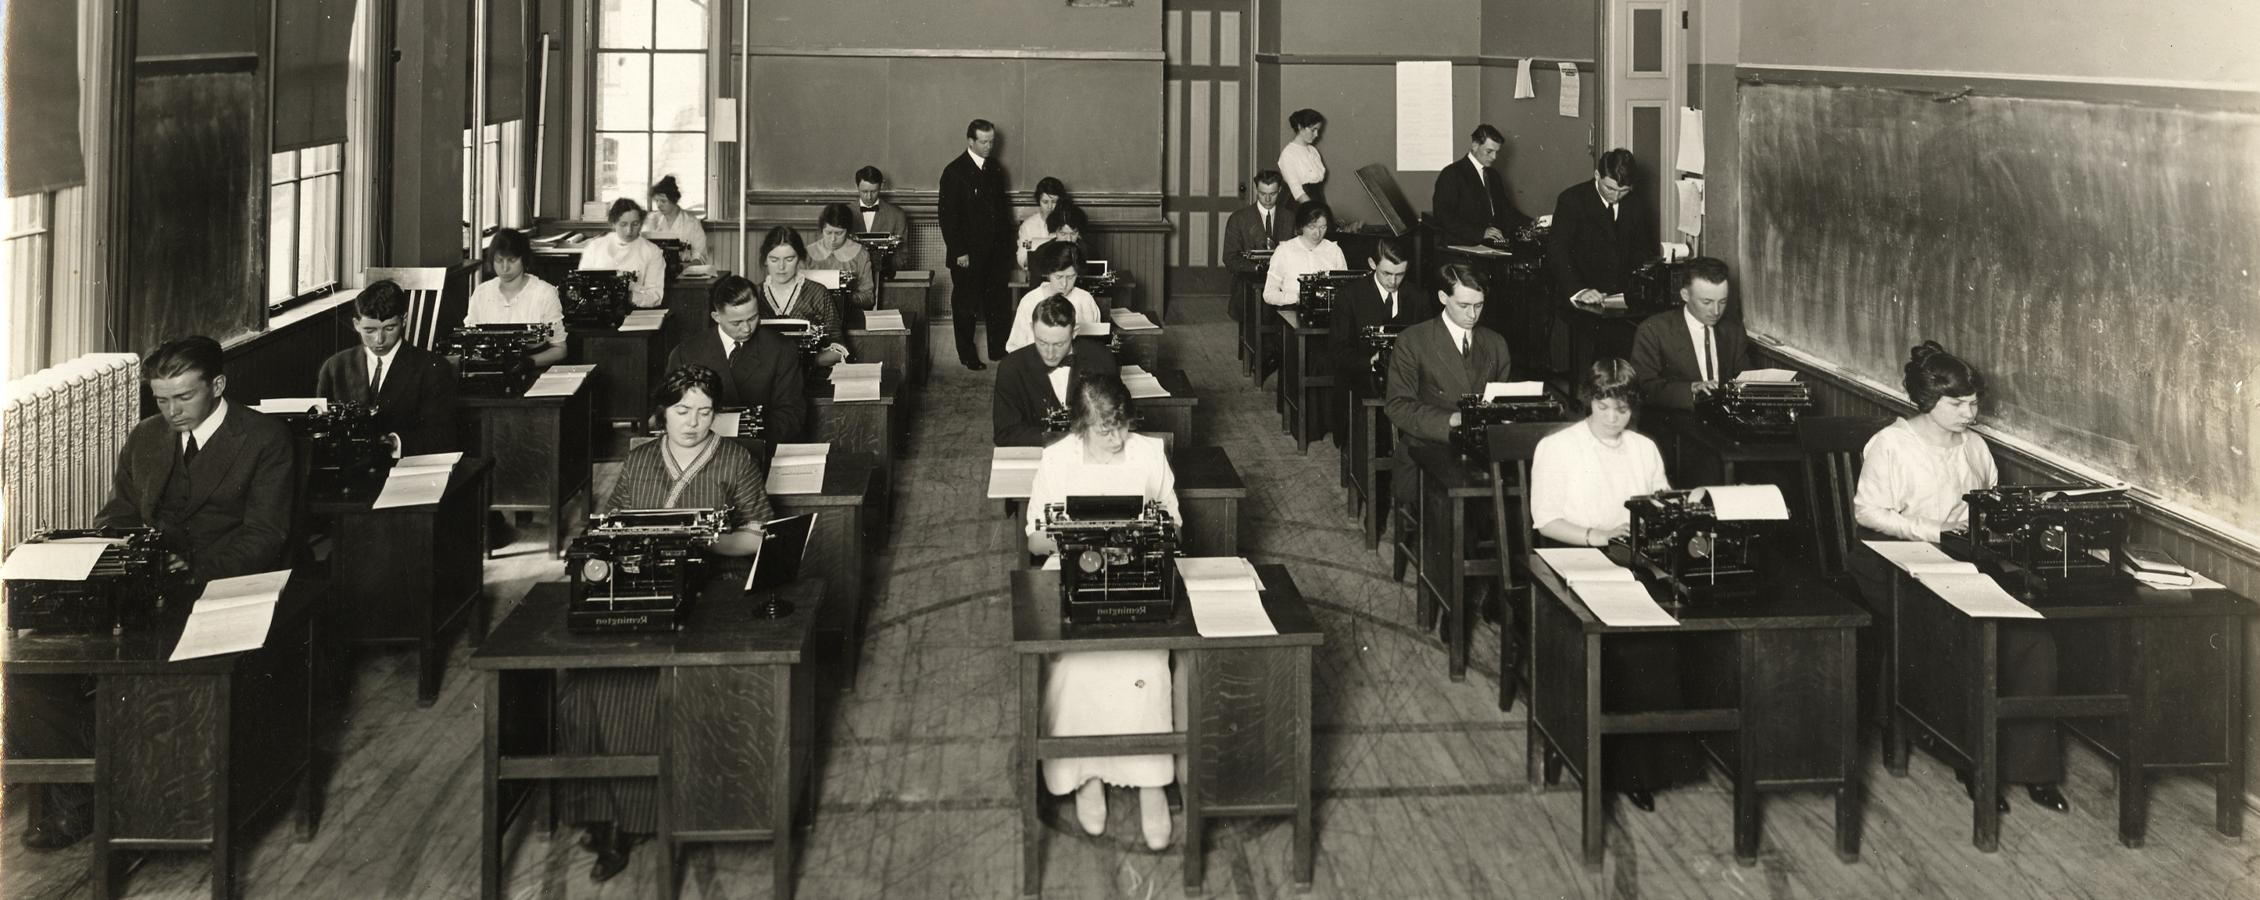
x,y
1424,116
1570,90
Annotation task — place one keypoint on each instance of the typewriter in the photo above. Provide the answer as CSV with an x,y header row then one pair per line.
x,y
674,249
1257,258
749,421
1380,341
1314,301
1654,286
1117,559
640,569
1477,414
2041,534
495,360
126,589
1097,279
884,248
1055,420
1677,540
596,299
843,297
807,337
1526,250
350,454
1757,410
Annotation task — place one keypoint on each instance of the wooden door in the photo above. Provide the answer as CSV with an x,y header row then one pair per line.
x,y
1209,59
1645,77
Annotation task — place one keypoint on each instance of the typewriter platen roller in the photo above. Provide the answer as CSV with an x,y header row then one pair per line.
x,y
1117,559
640,569
126,589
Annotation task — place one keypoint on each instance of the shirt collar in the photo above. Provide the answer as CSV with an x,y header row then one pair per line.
x,y
1597,193
1459,335
1694,326
370,356
211,425
727,344
979,161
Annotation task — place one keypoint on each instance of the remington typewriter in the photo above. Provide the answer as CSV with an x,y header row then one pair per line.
x,y
1678,540
640,569
496,360
596,299
1757,410
1654,286
1117,559
126,589
2041,533
749,421
673,249
350,452
1097,278
1380,341
884,247
1314,301
1477,414
807,337
1258,258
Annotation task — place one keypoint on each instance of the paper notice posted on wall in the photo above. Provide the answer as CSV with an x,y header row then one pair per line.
x,y
1012,472
1690,205
798,468
1690,141
1622,604
1524,90
290,406
1226,596
1767,375
1425,137
1746,502
1976,594
560,381
1581,564
883,320
231,616
52,561
1918,557
1569,100
1498,389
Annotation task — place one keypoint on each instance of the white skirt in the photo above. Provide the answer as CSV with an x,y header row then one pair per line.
x,y
1109,692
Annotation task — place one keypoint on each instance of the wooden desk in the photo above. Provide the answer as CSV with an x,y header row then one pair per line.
x,y
627,363
901,349
1686,429
1174,413
186,754
736,712
1305,380
1254,321
1246,737
1455,499
2152,679
540,450
406,575
1776,699
1141,347
908,291
868,427
1209,491
836,553
1369,455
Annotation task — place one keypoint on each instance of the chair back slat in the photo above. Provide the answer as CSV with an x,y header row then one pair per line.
x,y
1832,446
1511,448
424,286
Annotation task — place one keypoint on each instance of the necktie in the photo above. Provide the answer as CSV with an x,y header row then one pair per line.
x,y
377,379
1710,367
731,355
1392,304
188,453
1267,223
1484,181
1461,341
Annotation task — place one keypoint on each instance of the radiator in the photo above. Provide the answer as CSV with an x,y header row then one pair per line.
x,y
60,435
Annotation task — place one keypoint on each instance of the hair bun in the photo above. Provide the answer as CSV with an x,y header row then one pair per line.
x,y
1923,352
666,183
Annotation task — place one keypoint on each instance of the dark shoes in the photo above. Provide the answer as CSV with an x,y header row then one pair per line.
x,y
2000,800
2046,796
974,364
1645,800
611,847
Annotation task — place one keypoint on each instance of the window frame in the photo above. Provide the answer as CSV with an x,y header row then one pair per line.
x,y
592,134
299,180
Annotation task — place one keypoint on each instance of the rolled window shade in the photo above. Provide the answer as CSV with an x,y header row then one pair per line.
x,y
506,61
41,69
312,40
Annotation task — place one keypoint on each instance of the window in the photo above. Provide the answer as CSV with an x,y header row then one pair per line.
x,y
650,98
28,245
304,220
500,173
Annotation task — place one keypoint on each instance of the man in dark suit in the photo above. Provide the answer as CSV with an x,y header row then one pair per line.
x,y
758,368
1681,355
873,214
1597,239
1471,203
1438,361
1261,225
977,229
414,388
1384,299
1036,380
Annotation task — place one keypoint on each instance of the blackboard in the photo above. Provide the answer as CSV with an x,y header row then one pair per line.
x,y
2100,261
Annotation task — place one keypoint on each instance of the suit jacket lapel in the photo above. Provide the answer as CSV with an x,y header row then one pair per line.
x,y
213,462
152,467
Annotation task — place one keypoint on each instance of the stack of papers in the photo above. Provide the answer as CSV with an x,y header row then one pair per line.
x,y
2187,580
1132,320
798,468
231,616
1093,329
290,406
1976,594
883,320
698,270
1919,558
560,381
1609,590
644,320
856,381
63,560
1012,472
1142,384
417,480
1226,596
1769,375
1498,389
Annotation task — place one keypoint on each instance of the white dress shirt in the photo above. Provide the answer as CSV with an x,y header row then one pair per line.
x,y
1283,285
1576,478
369,360
1033,234
1912,489
1087,312
1058,377
1300,164
1605,199
211,425
641,257
1461,337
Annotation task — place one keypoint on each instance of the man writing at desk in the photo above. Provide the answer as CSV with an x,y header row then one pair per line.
x,y
1680,356
413,389
1470,199
1034,382
759,368
1436,362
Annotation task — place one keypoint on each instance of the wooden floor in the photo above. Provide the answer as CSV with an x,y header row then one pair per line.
x,y
1420,782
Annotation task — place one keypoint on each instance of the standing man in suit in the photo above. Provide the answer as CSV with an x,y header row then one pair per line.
x,y
759,368
1598,238
1035,381
1384,299
413,389
1471,202
1437,361
977,230
1682,355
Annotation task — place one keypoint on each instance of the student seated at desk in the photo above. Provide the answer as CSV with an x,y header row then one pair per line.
x,y
1913,474
1309,252
758,367
1435,363
413,389
1035,381
873,214
1060,263
786,294
1108,692
669,220
624,249
616,710
1067,222
836,250
1383,300
516,297
1580,478
1683,355
1036,228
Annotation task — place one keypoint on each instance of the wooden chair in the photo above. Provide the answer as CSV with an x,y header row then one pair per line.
x,y
1832,446
1511,448
425,287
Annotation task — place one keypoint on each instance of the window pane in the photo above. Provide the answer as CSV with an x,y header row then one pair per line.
x,y
284,168
624,24
681,24
623,91
490,181
623,166
282,229
683,156
317,232
678,92
326,236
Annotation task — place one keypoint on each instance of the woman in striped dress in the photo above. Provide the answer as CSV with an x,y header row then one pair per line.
x,y
786,294
616,711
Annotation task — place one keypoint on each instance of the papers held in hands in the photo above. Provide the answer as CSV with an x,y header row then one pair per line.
x,y
231,616
777,563
856,381
1012,472
1497,389
798,468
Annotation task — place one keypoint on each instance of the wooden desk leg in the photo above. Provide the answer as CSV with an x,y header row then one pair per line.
x,y
1894,720
782,801
1457,578
1306,841
1848,767
1595,830
1189,787
1986,755
1745,819
490,796
2228,785
2134,783
1031,775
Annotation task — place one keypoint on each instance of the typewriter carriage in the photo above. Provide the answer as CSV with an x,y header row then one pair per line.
x,y
1477,415
2037,533
127,588
640,570
1757,410
1676,538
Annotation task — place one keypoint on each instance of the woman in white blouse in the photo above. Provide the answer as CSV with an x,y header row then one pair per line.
x,y
1299,162
835,249
1580,478
514,297
670,220
1308,252
1058,264
623,249
1107,692
787,294
1913,474
1035,230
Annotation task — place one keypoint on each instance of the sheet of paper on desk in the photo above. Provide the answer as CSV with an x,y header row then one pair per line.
x,y
856,381
1221,614
829,278
1132,320
1576,564
1218,573
232,615
422,460
644,320
698,270
1918,557
1976,594
1747,502
1093,329
421,486
1143,386
1622,604
52,561
288,406
1767,375
1498,389
560,381
1479,250
1012,472
883,320
798,468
